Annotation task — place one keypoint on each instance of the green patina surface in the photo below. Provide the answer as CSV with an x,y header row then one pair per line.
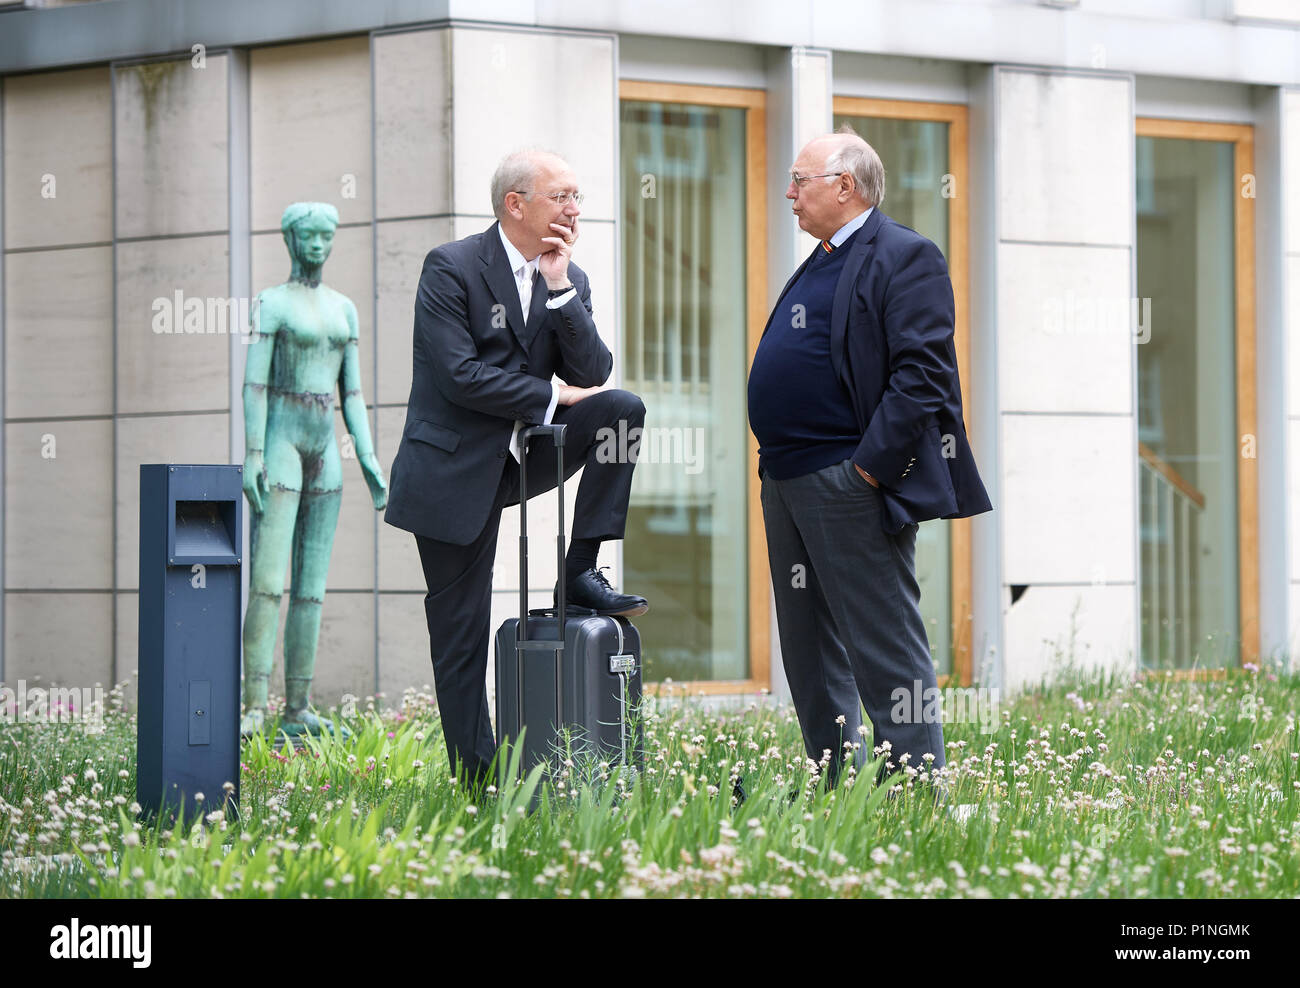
x,y
305,346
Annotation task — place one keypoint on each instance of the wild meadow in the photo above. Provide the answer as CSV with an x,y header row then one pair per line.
x,y
1097,786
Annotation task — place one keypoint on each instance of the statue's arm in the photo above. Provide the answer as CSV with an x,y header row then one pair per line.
x,y
256,373
354,402
354,411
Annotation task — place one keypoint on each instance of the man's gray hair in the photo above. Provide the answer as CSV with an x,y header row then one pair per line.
x,y
860,160
516,173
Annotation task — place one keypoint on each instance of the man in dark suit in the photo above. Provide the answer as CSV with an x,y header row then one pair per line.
x,y
855,402
496,316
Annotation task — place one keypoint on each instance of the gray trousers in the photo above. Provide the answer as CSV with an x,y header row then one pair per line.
x,y
848,609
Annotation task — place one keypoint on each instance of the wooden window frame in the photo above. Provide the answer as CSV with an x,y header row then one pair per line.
x,y
1242,139
956,116
754,103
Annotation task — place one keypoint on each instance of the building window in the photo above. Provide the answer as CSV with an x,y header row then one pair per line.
x,y
693,287
1198,561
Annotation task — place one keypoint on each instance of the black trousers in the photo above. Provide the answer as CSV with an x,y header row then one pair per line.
x,y
848,609
458,605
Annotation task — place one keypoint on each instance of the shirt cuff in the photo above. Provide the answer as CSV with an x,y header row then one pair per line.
x,y
555,400
550,412
555,303
514,440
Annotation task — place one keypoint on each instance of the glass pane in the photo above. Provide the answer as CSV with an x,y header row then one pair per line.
x,y
683,185
915,155
1187,403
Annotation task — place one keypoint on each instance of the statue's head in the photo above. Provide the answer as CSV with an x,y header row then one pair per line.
x,y
308,229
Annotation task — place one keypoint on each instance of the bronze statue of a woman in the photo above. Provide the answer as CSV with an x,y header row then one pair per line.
x,y
304,346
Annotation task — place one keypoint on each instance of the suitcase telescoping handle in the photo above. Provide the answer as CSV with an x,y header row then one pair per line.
x,y
522,644
556,432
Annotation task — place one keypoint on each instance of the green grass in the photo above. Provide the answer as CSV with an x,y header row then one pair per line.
x,y
1096,787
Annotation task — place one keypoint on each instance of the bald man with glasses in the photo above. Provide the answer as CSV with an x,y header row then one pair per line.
x,y
856,405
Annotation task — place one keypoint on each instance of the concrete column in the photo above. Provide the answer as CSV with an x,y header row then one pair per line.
x,y
240,241
1274,356
413,155
799,108
58,378
1289,184
171,212
450,103
310,129
1053,239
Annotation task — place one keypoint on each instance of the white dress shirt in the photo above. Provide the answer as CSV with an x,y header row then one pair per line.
x,y
850,228
524,272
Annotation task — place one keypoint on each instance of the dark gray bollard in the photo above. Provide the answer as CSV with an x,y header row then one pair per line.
x,y
191,524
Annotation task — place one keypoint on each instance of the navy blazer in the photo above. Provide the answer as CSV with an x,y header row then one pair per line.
x,y
476,369
891,344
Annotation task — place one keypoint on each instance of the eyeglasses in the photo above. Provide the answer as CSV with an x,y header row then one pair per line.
x,y
799,180
559,198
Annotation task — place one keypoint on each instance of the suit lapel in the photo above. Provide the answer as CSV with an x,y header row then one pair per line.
x,y
501,282
844,288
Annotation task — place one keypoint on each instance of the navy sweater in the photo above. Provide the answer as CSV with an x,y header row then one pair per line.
x,y
799,410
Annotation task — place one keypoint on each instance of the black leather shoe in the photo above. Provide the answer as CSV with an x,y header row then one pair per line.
x,y
590,589
738,792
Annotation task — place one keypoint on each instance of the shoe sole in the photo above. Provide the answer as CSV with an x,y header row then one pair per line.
x,y
630,612
576,610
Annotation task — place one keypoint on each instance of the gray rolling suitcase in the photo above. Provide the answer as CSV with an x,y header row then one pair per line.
x,y
571,670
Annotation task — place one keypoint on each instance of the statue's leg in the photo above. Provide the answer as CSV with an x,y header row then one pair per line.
x,y
313,541
271,542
